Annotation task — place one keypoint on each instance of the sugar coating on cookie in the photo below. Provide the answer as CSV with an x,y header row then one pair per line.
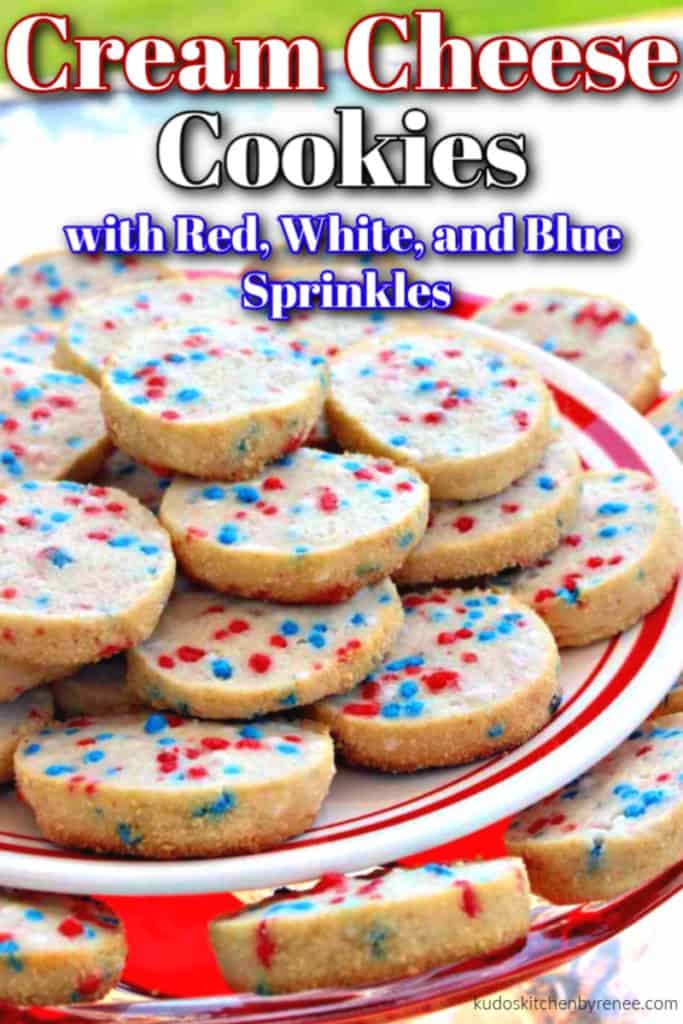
x,y
313,527
99,325
468,416
599,335
154,785
19,718
17,677
57,949
370,928
221,657
471,673
613,828
667,418
146,483
331,333
51,426
44,287
27,344
520,524
218,399
616,563
84,572
98,689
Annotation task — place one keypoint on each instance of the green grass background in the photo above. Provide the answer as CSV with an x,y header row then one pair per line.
x,y
327,22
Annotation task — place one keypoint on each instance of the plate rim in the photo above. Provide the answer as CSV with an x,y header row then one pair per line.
x,y
56,871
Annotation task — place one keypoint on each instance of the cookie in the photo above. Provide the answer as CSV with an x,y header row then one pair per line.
x,y
673,702
97,326
221,657
18,719
18,677
212,401
616,826
51,427
27,344
620,559
161,786
44,288
98,689
146,483
471,674
84,572
57,949
469,417
599,335
515,527
667,418
312,528
367,929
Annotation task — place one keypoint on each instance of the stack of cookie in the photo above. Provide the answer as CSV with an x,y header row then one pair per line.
x,y
201,709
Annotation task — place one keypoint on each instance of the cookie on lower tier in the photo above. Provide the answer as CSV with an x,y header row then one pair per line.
x,y
27,344
146,483
99,325
84,572
221,657
467,415
471,674
98,689
18,719
51,426
366,929
211,399
672,702
616,826
161,786
617,563
17,677
313,528
57,949
667,418
599,335
471,538
43,288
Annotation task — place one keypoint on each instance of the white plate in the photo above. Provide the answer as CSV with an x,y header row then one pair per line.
x,y
369,818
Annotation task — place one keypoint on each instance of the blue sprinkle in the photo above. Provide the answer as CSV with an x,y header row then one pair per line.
x,y
213,493
154,724
246,494
221,668
228,534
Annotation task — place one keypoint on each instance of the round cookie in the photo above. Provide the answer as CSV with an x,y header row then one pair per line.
x,y
599,335
618,562
161,786
27,344
367,929
471,674
616,826
221,657
673,702
51,426
667,418
468,416
84,572
213,401
100,324
43,288
312,528
146,483
57,949
515,527
18,719
98,689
